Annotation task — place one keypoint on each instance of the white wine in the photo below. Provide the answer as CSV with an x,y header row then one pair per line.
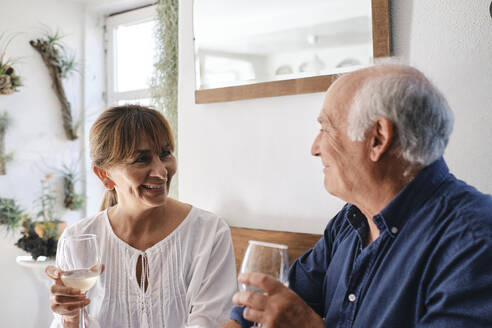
x,y
83,279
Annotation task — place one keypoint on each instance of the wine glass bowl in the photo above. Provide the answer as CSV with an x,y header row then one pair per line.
x,y
79,260
267,258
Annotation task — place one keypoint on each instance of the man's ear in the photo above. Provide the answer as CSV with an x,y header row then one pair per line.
x,y
381,138
103,176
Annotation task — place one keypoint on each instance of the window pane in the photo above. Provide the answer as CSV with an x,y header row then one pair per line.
x,y
135,48
141,102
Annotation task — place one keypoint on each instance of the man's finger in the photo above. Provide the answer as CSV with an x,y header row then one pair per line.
x,y
253,315
250,299
266,283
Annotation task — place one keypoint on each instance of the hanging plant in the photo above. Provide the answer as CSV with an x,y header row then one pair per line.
x,y
4,158
61,64
165,77
9,80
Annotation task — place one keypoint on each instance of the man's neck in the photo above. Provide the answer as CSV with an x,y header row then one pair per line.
x,y
380,191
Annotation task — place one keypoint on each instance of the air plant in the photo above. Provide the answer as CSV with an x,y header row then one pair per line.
x,y
72,200
4,158
60,63
9,80
11,215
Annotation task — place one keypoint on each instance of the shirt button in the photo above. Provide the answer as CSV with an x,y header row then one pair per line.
x,y
394,230
352,298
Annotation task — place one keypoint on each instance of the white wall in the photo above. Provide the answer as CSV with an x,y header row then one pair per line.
x,y
37,137
249,161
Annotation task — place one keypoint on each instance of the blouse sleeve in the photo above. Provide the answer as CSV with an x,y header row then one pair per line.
x,y
211,303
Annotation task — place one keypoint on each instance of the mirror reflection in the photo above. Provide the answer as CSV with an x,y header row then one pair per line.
x,y
245,42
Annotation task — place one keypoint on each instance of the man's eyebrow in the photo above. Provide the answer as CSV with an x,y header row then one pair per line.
x,y
324,120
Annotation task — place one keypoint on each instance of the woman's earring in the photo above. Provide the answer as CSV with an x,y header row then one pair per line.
x,y
108,186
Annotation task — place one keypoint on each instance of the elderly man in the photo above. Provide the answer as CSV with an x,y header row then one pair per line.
x,y
413,245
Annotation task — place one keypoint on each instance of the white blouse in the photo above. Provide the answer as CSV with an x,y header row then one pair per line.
x,y
191,276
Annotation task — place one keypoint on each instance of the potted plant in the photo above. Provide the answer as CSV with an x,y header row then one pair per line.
x,y
39,236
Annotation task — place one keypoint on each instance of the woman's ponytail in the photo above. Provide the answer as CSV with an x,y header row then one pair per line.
x,y
109,199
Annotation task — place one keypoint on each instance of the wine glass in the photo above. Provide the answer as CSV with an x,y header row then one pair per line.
x,y
79,260
267,258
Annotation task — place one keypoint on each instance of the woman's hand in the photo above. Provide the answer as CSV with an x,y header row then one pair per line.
x,y
66,301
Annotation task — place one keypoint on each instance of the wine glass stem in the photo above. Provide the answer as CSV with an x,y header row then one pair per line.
x,y
82,320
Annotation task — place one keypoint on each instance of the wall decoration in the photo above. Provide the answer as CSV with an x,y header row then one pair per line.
x,y
72,200
4,158
165,79
9,80
60,64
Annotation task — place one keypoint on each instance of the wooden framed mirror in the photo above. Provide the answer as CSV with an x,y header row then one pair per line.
x,y
309,77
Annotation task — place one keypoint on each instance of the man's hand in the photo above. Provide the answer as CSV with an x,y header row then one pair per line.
x,y
231,324
280,307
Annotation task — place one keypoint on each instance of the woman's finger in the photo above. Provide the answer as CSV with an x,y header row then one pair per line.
x,y
52,272
58,289
60,299
69,308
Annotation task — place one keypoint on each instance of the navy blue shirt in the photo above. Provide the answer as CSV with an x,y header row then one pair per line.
x,y
430,267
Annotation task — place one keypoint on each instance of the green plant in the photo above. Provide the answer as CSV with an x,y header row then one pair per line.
x,y
165,78
4,158
72,200
9,80
61,57
46,200
39,238
4,121
11,215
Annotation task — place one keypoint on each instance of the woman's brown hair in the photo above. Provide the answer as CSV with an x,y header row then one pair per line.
x,y
116,133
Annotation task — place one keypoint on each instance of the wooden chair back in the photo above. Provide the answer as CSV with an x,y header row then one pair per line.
x,y
297,242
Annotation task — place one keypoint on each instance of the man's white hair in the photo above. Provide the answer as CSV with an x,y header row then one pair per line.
x,y
419,112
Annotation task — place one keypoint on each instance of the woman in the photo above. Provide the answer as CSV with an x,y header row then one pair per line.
x,y
168,264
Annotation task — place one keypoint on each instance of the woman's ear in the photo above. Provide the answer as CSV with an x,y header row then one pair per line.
x,y
381,138
103,176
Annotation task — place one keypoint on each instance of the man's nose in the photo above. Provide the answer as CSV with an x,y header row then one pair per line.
x,y
315,146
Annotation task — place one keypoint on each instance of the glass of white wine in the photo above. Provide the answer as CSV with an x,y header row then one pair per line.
x,y
267,258
79,260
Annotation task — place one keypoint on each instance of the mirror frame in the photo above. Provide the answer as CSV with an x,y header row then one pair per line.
x,y
381,43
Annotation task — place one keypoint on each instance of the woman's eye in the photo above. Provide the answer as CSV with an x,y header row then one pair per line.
x,y
165,154
141,159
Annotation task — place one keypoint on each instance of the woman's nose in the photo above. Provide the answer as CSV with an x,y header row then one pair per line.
x,y
158,168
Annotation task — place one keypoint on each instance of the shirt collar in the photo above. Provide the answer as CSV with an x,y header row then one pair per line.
x,y
408,201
